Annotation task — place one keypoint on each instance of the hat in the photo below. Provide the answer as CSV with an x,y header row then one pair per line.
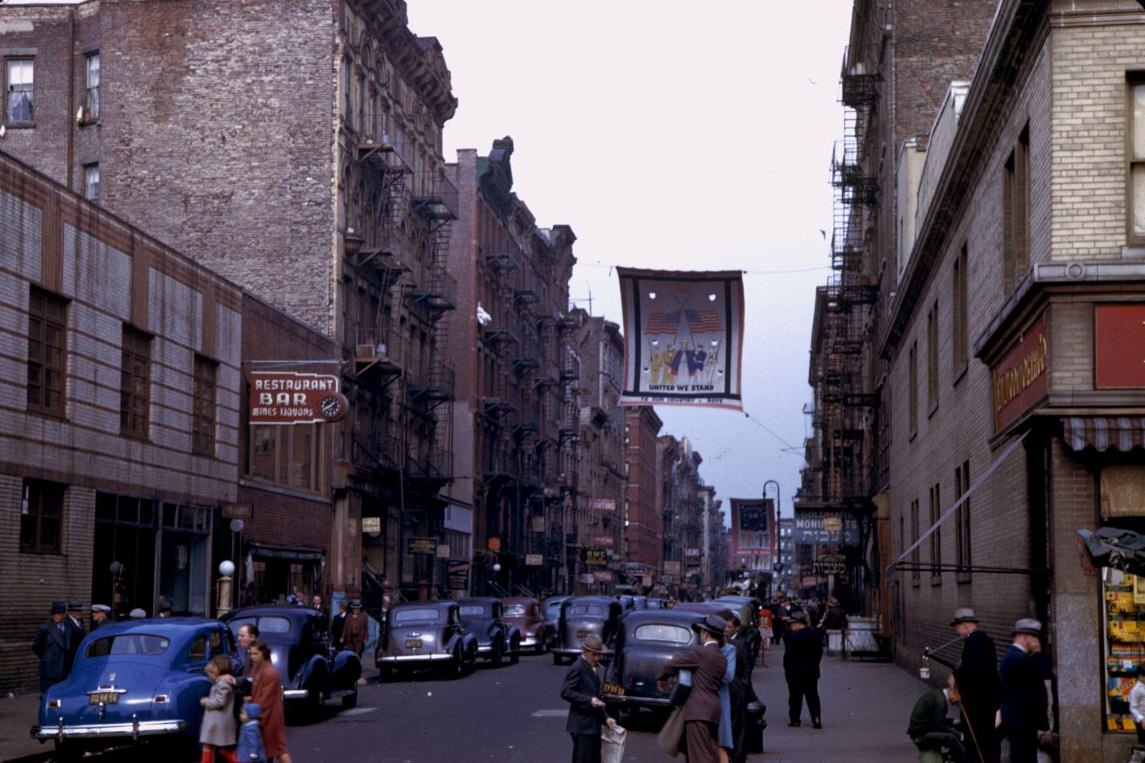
x,y
592,643
101,608
137,614
799,615
59,607
252,710
712,624
164,606
1029,626
356,603
75,605
964,615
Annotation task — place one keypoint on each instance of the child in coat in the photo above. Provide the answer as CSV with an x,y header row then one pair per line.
x,y
250,738
218,732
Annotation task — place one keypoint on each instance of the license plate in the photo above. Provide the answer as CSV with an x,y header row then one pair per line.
x,y
104,697
413,643
615,689
582,634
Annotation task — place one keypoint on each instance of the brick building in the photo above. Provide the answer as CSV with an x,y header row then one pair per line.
x,y
120,432
681,508
643,523
510,341
295,149
1012,287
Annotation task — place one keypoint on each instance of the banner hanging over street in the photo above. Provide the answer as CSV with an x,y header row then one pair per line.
x,y
683,337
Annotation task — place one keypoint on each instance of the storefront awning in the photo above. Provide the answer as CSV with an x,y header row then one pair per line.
x,y
1104,432
291,553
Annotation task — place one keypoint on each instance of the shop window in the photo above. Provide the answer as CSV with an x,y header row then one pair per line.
x,y
41,517
20,107
203,415
47,352
91,88
135,383
1124,630
291,456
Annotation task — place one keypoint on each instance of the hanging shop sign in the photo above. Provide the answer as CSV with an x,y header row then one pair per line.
x,y
458,574
684,335
819,527
603,540
288,397
671,568
595,557
604,576
534,560
421,546
372,525
830,564
443,551
1019,380
602,504
1119,346
238,510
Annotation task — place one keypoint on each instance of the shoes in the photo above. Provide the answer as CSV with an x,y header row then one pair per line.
x,y
816,724
793,723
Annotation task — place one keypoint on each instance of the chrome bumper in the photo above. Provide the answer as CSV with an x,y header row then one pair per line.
x,y
484,649
529,641
415,657
134,729
295,693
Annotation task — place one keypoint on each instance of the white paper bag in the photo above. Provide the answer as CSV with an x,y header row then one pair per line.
x,y
612,744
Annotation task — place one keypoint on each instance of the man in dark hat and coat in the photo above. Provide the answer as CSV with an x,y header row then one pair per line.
x,y
582,689
702,708
1023,673
802,653
356,632
977,679
74,623
51,646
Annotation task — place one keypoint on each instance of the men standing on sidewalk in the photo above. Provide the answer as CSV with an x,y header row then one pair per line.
x,y
582,688
51,646
977,678
802,653
702,708
1023,672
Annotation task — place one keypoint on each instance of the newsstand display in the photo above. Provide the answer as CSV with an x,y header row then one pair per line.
x,y
1124,631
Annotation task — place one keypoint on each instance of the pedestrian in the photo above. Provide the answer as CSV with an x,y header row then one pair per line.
x,y
1022,675
702,707
740,691
99,615
356,631
802,653
267,694
930,729
977,678
582,689
250,749
247,635
1137,703
76,632
217,733
50,644
338,623
834,619
165,608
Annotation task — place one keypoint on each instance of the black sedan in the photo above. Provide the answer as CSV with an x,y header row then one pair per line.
x,y
482,618
582,615
300,649
647,640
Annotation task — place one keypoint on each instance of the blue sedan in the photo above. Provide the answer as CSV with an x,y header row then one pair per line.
x,y
132,681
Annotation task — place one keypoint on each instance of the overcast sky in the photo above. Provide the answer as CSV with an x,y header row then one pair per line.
x,y
676,135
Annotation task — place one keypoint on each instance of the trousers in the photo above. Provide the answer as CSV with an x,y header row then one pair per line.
x,y
797,690
586,748
700,742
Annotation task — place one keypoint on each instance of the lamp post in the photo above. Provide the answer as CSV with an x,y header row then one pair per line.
x,y
777,511
226,570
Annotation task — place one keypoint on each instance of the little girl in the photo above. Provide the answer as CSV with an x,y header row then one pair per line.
x,y
250,738
218,732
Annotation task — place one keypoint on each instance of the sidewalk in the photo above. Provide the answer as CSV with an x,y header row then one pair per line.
x,y
866,709
17,716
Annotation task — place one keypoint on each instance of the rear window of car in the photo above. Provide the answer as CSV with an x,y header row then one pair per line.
x,y
473,609
516,610
585,609
415,616
673,634
128,643
269,624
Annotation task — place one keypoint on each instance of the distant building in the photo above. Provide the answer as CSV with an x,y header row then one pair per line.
x,y
643,523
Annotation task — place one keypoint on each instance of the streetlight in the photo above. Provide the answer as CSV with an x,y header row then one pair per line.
x,y
226,570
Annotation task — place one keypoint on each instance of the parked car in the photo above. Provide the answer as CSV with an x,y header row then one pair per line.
x,y
299,640
133,681
747,607
482,618
551,608
421,635
655,603
647,640
582,615
525,614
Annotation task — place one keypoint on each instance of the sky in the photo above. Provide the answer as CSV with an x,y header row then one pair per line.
x,y
675,135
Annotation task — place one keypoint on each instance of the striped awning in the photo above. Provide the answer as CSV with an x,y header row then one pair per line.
x,y
1104,432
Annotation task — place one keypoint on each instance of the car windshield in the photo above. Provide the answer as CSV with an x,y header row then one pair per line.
x,y
265,624
582,610
473,610
673,634
516,610
415,616
128,643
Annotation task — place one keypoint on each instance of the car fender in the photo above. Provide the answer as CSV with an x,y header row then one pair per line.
x,y
183,695
313,674
469,644
514,635
347,670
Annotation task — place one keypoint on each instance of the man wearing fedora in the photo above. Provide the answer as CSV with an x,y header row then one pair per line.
x,y
977,678
74,625
1023,672
702,708
51,646
582,689
802,653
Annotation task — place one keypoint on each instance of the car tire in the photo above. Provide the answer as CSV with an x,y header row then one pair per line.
x,y
498,654
515,653
385,673
540,647
67,752
557,659
457,666
350,700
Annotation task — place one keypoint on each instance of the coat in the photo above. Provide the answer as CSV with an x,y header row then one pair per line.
x,y
218,727
337,625
977,674
75,636
802,652
51,646
929,714
708,666
356,632
250,748
581,684
1023,690
267,694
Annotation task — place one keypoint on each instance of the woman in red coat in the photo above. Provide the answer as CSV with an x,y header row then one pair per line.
x,y
267,694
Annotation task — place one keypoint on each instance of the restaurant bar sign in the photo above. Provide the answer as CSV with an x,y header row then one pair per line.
x,y
290,397
1020,379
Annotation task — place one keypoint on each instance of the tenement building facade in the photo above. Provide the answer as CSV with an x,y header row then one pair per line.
x,y
1015,371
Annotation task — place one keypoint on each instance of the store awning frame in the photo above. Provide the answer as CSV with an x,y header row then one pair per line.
x,y
1102,433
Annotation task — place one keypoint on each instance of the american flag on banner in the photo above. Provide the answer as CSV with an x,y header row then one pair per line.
x,y
663,323
701,321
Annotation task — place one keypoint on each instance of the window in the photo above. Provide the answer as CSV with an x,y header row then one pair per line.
x,y
932,358
914,534
1136,155
1015,217
91,182
203,415
962,521
47,352
135,383
935,536
289,456
912,381
41,516
91,92
960,324
20,108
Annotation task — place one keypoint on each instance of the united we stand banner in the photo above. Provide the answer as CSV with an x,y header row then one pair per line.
x,y
683,337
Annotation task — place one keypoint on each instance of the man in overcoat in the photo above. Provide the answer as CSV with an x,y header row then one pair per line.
x,y
357,630
1023,673
76,632
51,646
802,653
977,678
582,689
702,708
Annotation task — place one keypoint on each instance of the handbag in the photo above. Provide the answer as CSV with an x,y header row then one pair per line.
x,y
672,733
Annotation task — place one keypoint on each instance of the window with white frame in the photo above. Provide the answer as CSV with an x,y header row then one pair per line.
x,y
91,182
91,83
20,80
